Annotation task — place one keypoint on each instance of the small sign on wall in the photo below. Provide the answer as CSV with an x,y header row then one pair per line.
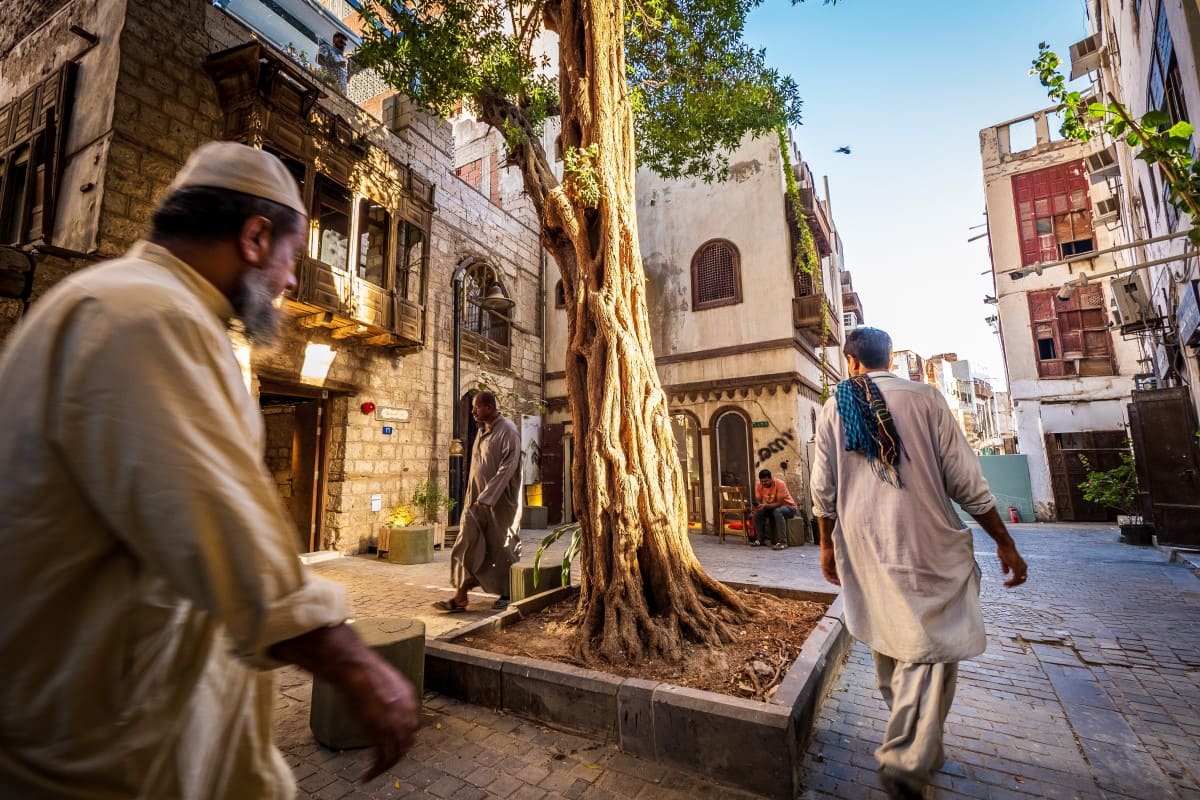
x,y
385,414
376,502
387,430
762,423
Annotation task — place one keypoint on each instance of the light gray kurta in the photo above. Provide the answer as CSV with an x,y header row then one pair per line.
x,y
907,564
489,541
147,562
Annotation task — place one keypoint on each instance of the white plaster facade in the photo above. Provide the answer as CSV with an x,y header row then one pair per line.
x,y
743,366
1044,405
1127,37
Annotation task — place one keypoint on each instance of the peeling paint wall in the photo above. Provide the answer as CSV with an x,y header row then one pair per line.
x,y
1093,403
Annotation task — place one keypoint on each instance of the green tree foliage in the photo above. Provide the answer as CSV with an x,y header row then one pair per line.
x,y
1115,488
696,88
1157,139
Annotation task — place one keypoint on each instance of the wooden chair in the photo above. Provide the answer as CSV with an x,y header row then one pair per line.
x,y
735,509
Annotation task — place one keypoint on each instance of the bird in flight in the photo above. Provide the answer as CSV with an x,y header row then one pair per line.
x,y
845,149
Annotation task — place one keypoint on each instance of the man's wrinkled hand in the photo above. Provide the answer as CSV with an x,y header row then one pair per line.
x,y
1012,563
386,707
829,566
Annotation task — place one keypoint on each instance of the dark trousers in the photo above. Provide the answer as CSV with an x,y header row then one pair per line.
x,y
771,524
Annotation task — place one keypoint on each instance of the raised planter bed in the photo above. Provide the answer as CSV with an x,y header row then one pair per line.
x,y
752,744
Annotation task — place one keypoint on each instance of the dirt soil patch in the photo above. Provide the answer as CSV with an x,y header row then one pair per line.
x,y
750,666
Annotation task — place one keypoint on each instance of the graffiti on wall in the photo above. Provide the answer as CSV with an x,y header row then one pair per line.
x,y
777,445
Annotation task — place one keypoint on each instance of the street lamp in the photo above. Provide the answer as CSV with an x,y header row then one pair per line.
x,y
493,298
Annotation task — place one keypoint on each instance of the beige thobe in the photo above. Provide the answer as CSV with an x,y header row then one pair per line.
x,y
489,538
148,563
906,561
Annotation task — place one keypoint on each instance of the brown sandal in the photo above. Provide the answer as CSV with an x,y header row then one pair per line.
x,y
450,606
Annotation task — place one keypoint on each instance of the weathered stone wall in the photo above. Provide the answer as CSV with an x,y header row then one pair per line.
x,y
148,103
280,432
23,17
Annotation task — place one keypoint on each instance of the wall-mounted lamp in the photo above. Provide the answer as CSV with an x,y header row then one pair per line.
x,y
367,407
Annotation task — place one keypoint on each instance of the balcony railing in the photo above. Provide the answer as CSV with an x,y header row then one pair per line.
x,y
330,298
813,318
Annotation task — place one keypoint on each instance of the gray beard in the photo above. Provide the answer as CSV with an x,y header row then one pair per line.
x,y
254,304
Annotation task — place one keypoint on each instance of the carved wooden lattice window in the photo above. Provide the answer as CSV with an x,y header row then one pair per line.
x,y
1054,214
1070,337
32,132
716,275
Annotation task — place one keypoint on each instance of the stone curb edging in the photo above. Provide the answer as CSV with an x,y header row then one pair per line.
x,y
729,739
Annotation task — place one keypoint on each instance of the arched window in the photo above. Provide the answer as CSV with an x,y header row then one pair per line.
x,y
732,436
560,296
716,275
485,333
687,443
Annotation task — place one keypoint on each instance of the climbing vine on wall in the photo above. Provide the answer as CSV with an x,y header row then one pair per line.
x,y
806,260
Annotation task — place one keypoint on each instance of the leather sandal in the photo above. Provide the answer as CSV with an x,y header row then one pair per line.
x,y
449,606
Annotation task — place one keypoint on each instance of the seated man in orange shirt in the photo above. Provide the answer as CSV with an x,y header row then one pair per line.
x,y
773,506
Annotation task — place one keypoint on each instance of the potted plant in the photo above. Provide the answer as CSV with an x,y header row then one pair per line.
x,y
413,529
428,499
1117,488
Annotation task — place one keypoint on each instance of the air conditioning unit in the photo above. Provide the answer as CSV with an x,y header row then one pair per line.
x,y
1133,306
1107,210
1103,164
849,321
1086,56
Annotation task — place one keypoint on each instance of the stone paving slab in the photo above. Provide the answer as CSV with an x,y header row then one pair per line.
x,y
1090,687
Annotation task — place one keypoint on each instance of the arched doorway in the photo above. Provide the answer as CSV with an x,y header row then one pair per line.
x,y
458,479
731,450
686,428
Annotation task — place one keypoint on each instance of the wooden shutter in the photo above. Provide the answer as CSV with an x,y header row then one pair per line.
x,y
716,278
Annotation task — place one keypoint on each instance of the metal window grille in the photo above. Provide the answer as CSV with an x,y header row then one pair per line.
x,y
715,277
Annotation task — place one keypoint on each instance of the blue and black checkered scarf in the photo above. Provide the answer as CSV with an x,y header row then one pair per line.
x,y
869,427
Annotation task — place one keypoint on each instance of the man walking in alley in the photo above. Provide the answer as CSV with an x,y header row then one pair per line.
x,y
488,543
773,507
889,459
150,576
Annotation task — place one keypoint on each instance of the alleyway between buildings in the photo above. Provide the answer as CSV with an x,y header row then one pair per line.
x,y
1090,687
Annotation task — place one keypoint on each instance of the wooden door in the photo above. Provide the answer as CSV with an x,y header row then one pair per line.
x,y
552,468
1163,427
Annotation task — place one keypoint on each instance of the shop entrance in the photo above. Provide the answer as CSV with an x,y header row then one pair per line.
x,y
295,455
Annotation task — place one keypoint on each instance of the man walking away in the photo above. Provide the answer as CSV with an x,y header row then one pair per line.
x,y
773,507
488,543
150,574
889,459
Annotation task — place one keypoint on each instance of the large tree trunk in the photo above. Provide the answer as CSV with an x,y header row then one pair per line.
x,y
643,593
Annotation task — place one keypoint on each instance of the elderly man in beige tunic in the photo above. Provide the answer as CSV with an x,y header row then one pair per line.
x,y
489,542
889,459
149,576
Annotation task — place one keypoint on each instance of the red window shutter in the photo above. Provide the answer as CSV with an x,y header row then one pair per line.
x,y
1040,197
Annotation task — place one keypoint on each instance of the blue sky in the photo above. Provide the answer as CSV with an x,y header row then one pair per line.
x,y
908,86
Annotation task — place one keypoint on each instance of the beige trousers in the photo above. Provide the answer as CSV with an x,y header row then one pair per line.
x,y
919,697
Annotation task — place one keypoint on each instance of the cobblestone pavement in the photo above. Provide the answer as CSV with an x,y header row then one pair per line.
x,y
1090,688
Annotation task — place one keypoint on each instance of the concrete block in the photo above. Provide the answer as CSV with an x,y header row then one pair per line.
x,y
745,743
797,532
463,672
520,579
580,700
398,641
412,545
535,517
635,716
